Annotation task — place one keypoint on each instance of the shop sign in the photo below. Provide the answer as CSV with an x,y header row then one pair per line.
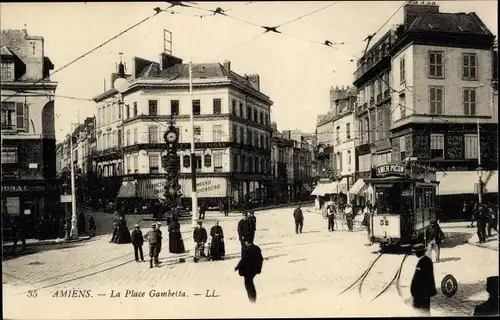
x,y
151,188
205,187
391,169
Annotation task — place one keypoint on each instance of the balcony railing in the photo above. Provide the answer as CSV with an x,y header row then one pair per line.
x,y
368,65
386,93
379,97
372,101
8,127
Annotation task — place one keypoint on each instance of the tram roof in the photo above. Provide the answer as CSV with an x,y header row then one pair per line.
x,y
385,180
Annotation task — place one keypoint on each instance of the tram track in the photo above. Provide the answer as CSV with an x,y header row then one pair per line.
x,y
395,279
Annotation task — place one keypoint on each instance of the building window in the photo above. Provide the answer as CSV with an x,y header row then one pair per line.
x,y
9,155
135,136
234,107
127,111
470,146
217,106
174,107
469,68
469,101
256,139
337,137
241,109
349,160
120,110
402,148
249,112
217,133
348,130
436,100
250,164
261,117
135,109
197,133
236,137
186,161
153,107
436,64
402,106
242,135
249,137
339,158
154,163
118,138
136,163
256,164
153,134
437,146
218,162
197,160
255,117
402,74
8,115
196,107
7,71
208,161
235,162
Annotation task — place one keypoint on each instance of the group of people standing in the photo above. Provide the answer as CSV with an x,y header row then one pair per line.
x,y
335,211
217,249
485,217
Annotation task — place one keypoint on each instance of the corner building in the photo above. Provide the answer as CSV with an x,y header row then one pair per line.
x,y
232,131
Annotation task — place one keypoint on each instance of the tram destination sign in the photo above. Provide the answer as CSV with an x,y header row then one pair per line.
x,y
391,169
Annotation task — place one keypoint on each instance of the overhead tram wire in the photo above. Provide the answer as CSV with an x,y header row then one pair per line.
x,y
90,51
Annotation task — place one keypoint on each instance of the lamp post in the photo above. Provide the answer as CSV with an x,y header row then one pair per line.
x,y
74,218
480,173
194,197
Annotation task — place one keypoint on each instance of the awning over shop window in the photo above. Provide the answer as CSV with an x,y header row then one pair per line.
x,y
357,187
127,190
322,189
462,182
317,190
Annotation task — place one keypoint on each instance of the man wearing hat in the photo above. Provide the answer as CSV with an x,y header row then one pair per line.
x,y
200,238
490,307
153,237
252,221
349,216
158,225
435,237
423,286
244,230
137,242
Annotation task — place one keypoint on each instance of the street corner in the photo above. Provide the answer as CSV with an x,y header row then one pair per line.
x,y
490,243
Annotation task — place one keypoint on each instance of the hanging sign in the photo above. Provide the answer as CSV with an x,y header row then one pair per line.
x,y
391,169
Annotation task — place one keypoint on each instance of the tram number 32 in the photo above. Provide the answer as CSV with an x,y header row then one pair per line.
x,y
384,222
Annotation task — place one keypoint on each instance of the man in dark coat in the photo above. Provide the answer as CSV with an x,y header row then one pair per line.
x,y
158,225
249,266
435,237
200,238
92,226
299,219
116,223
153,236
137,242
482,220
423,286
490,306
244,230
217,247
330,215
203,209
252,221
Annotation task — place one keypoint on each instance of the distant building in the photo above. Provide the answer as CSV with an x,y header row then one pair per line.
x,y
29,185
232,131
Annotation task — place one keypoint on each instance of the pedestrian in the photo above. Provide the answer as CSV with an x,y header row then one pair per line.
x,y
435,237
249,266
116,223
349,216
176,244
490,220
330,215
224,207
200,238
367,222
482,220
217,246
81,223
18,228
154,238
137,242
244,230
423,286
467,212
490,306
299,219
252,221
92,227
158,226
203,209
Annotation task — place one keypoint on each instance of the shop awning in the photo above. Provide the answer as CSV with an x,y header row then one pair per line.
x,y
322,189
462,182
127,190
357,187
316,190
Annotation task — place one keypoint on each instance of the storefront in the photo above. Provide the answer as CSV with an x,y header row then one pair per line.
x,y
30,201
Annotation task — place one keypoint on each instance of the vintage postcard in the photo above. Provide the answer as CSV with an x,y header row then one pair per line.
x,y
249,159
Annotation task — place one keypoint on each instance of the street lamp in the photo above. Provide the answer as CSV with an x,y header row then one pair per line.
x,y
480,173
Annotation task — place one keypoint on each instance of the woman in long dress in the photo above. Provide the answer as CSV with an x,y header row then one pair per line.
x,y
217,247
175,242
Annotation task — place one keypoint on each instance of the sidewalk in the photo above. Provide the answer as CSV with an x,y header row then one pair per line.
x,y
491,242
35,242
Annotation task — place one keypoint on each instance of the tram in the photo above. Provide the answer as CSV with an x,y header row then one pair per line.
x,y
405,202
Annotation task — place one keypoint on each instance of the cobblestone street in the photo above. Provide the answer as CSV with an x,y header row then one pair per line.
x,y
300,271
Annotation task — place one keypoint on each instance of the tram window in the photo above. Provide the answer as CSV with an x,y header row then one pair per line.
x,y
427,198
418,197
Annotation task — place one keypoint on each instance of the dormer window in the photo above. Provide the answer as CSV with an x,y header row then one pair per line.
x,y
7,71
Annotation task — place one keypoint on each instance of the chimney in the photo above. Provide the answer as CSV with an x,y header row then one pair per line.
x,y
227,65
414,9
168,60
254,80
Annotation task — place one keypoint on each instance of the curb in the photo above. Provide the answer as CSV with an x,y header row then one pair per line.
x,y
480,245
275,206
48,242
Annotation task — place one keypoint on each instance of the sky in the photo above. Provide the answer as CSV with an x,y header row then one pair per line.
x,y
295,71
